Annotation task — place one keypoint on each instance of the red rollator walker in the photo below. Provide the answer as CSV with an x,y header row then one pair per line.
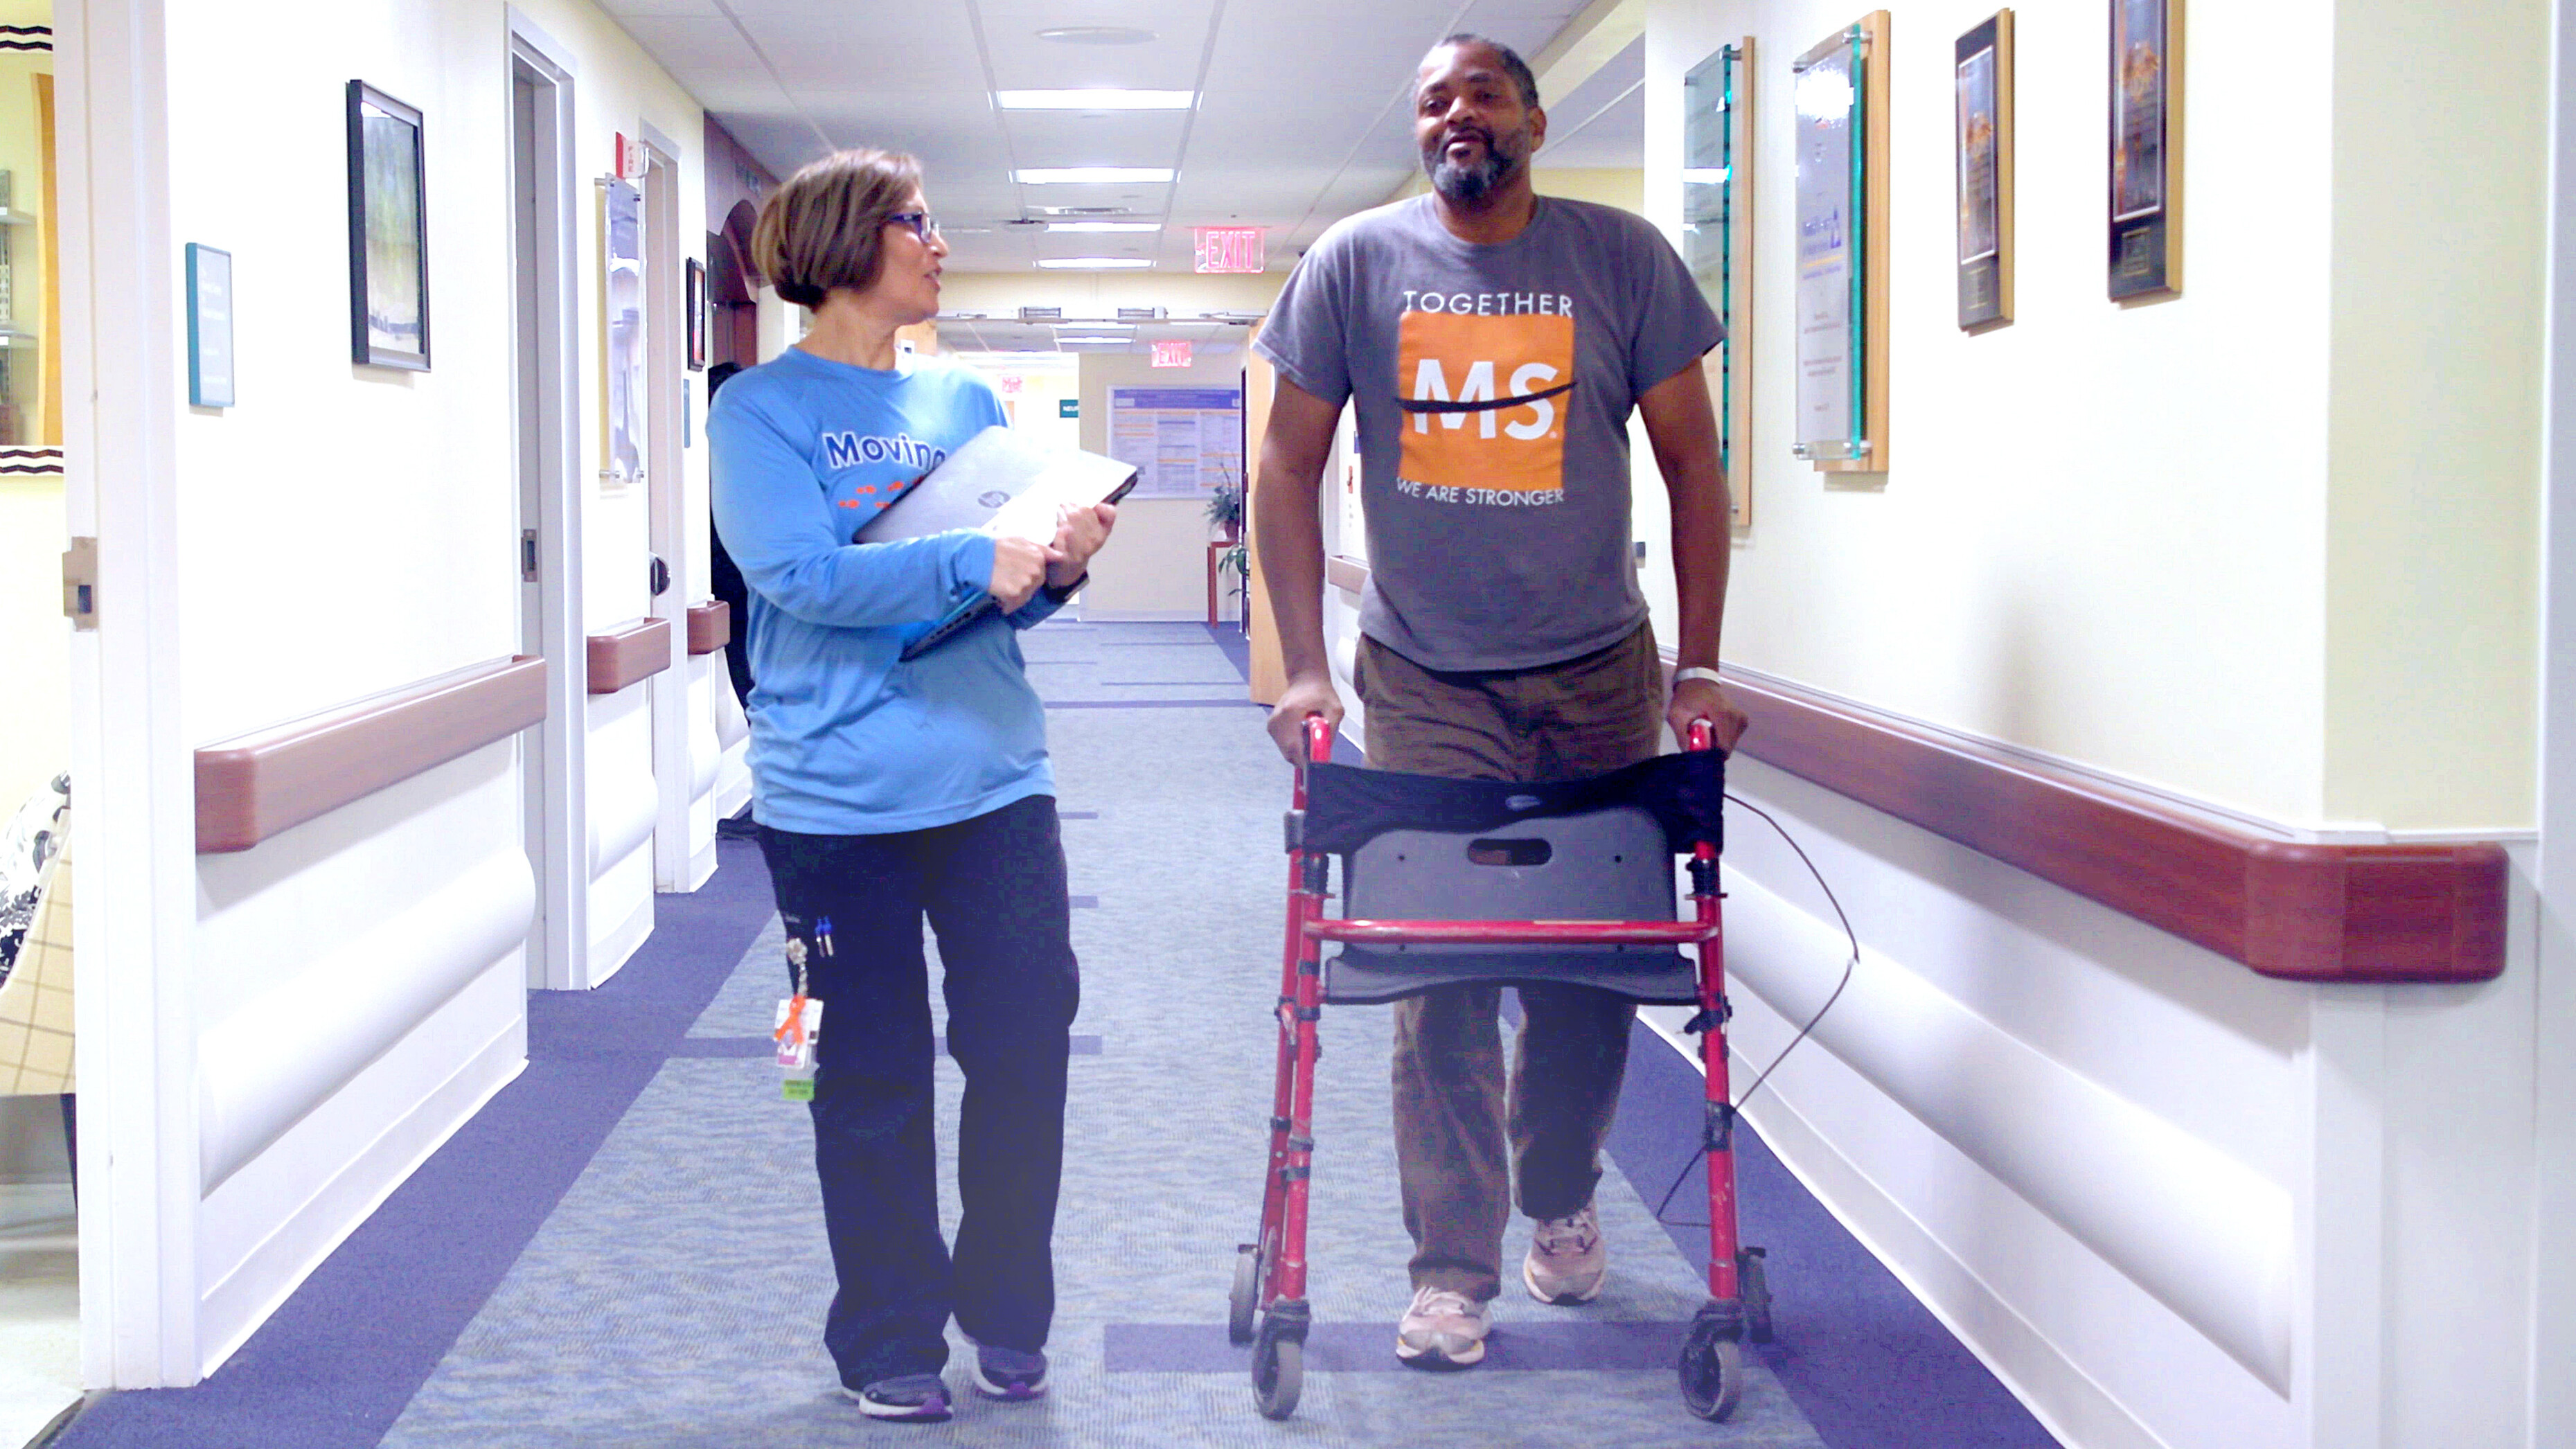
x,y
1469,880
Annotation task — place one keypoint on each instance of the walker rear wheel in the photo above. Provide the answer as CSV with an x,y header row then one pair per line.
x,y
1754,1288
1245,1300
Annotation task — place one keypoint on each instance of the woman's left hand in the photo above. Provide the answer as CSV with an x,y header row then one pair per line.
x,y
1079,533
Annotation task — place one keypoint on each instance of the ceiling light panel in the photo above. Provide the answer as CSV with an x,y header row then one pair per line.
x,y
1094,175
1095,100
1094,264
1105,226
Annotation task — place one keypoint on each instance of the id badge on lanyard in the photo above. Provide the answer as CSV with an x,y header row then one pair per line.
x,y
800,1020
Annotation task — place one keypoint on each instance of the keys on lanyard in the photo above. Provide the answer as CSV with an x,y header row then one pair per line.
x,y
800,1019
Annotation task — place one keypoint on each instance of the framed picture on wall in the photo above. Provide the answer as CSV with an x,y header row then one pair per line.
x,y
1717,243
694,308
1839,90
1982,76
388,233
2146,165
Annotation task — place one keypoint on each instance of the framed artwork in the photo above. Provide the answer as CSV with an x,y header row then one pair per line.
x,y
388,233
622,314
1982,76
2146,164
210,327
1717,244
694,308
1840,87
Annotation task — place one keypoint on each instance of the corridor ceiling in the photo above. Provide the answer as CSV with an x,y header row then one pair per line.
x,y
1301,118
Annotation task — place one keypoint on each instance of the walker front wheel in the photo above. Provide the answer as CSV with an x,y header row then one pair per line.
x,y
1278,1370
1712,1373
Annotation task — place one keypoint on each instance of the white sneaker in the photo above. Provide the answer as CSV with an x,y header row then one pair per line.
x,y
1567,1258
1442,1330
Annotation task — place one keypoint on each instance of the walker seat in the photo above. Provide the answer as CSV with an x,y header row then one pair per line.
x,y
1418,847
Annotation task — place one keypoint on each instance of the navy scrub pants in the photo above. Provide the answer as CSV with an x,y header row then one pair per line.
x,y
993,888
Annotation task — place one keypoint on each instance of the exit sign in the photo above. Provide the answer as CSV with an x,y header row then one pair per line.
x,y
1228,248
1171,354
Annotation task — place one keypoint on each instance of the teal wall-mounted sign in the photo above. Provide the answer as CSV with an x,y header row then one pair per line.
x,y
1068,407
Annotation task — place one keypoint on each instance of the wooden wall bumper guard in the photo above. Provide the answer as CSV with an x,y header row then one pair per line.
x,y
252,786
710,626
2296,910
628,655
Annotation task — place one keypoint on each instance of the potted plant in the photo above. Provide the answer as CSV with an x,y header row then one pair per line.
x,y
1225,509
1236,562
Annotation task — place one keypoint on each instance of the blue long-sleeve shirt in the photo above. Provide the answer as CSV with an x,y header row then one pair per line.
x,y
846,738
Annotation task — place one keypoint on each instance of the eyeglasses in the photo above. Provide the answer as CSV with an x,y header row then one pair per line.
x,y
922,223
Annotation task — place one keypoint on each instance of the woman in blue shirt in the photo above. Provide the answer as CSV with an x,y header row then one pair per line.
x,y
889,790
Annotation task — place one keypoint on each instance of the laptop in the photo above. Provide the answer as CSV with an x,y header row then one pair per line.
x,y
1003,484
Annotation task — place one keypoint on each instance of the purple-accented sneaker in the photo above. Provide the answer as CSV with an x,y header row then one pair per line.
x,y
909,1399
1008,1374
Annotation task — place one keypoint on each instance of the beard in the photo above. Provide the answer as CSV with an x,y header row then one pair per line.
x,y
1465,184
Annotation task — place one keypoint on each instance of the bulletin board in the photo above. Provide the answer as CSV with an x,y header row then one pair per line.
x,y
1182,441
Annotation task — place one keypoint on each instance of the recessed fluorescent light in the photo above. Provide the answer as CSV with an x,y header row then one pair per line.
x,y
1097,35
1091,342
1095,100
1091,175
1104,226
1093,264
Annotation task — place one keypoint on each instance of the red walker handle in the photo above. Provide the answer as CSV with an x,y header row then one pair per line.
x,y
1319,739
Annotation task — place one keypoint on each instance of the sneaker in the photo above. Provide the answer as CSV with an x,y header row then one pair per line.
x,y
1008,1374
1442,1330
912,1398
1567,1258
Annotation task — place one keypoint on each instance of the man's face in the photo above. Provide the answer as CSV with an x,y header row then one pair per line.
x,y
1470,123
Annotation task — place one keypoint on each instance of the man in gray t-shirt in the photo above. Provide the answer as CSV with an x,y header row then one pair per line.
x,y
1493,343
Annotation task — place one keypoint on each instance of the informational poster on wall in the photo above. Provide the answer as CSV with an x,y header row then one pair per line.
x,y
1182,441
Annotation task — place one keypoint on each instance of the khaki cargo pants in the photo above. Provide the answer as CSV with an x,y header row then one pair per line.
x,y
1454,1113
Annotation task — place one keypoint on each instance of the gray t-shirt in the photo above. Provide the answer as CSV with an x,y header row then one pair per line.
x,y
1493,384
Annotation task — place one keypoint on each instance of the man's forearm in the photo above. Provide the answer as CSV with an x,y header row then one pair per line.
x,y
1701,554
1289,534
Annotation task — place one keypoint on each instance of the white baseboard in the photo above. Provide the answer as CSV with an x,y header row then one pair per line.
x,y
233,1309
610,950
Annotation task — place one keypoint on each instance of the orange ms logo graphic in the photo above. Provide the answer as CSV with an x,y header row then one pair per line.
x,y
1483,398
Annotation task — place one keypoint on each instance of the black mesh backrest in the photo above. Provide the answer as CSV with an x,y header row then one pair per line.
x,y
1346,807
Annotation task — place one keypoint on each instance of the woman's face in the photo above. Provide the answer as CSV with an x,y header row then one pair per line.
x,y
908,270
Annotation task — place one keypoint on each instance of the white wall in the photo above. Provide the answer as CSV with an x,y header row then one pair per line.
x,y
357,981
2105,535
2266,546
1155,565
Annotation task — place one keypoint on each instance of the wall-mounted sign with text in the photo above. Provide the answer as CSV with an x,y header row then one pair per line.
x,y
1171,354
1228,248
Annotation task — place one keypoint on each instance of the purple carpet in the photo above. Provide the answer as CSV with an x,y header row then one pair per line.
x,y
333,1368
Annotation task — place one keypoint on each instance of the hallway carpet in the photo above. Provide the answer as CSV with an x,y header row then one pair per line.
x,y
626,1248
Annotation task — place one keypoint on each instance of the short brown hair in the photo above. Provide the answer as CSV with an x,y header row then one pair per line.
x,y
825,227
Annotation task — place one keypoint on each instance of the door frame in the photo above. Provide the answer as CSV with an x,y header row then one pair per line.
x,y
666,493
134,792
553,754
2551,1311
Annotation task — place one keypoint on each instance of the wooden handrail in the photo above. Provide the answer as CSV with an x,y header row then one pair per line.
x,y
628,654
710,626
254,785
2300,910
